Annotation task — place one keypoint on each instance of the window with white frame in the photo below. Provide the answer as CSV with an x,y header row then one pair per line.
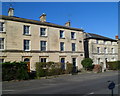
x,y
2,26
98,49
1,60
43,59
26,30
61,46
73,36
112,50
26,45
62,34
73,47
1,43
43,45
105,50
96,41
42,31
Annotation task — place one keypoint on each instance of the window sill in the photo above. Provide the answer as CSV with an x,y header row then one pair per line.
x,y
62,38
43,36
27,50
27,34
3,32
73,39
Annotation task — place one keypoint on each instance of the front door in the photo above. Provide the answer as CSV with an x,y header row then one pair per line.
x,y
27,60
63,63
74,62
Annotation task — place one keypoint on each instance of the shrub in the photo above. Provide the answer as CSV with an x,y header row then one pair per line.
x,y
41,69
87,63
97,68
14,71
48,69
69,68
115,65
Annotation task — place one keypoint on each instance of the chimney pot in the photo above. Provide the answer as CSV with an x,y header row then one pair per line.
x,y
11,12
43,17
67,24
116,37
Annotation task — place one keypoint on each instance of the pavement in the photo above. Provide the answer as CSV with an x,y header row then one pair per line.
x,y
84,83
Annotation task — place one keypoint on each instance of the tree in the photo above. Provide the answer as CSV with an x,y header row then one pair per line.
x,y
87,63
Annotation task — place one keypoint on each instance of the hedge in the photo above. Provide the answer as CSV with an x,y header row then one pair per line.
x,y
51,69
115,65
14,71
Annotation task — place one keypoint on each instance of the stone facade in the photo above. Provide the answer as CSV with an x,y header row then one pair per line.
x,y
101,49
13,35
119,49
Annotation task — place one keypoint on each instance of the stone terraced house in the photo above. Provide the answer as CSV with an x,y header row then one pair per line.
x,y
39,41
101,49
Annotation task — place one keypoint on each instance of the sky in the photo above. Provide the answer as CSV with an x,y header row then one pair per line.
x,y
94,17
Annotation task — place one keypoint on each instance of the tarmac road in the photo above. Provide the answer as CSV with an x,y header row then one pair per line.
x,y
84,83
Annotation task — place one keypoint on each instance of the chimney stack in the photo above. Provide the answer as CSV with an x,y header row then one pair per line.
x,y
11,12
116,37
67,24
43,17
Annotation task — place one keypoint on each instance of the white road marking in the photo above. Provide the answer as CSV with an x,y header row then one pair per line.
x,y
117,85
89,94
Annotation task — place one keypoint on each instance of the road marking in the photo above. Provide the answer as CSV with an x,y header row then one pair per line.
x,y
117,85
91,93
88,94
8,90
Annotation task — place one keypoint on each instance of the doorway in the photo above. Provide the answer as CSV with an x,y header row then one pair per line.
x,y
27,60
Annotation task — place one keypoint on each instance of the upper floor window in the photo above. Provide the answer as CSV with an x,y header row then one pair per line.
x,y
1,43
1,26
26,30
62,34
73,46
61,46
112,50
43,45
96,41
105,50
98,49
42,31
26,45
73,35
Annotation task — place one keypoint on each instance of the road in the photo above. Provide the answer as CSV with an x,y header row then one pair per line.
x,y
83,83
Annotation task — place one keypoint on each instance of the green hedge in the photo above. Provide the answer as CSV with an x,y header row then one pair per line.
x,y
115,65
14,71
51,68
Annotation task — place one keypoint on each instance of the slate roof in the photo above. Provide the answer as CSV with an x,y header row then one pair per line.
x,y
99,37
18,19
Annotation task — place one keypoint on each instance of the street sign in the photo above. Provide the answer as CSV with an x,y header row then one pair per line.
x,y
111,85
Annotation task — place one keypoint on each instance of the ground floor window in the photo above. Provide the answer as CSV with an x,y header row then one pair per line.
x,y
43,59
98,60
1,60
